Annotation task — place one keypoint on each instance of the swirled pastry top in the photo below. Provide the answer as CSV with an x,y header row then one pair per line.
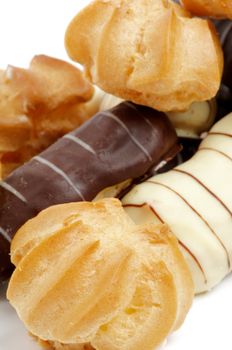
x,y
150,52
114,146
90,275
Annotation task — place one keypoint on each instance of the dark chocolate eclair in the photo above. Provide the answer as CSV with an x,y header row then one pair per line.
x,y
224,29
188,148
120,144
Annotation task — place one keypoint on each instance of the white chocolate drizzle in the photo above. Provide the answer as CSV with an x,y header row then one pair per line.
x,y
160,165
13,191
218,133
81,143
129,104
5,234
60,172
211,149
211,193
195,211
138,144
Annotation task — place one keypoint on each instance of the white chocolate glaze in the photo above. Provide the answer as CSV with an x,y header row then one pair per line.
x,y
195,200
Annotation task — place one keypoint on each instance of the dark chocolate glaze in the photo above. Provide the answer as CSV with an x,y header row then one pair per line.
x,y
224,101
188,147
224,29
122,143
224,96
5,267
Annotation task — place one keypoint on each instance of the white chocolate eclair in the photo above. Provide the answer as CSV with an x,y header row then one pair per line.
x,y
93,279
195,200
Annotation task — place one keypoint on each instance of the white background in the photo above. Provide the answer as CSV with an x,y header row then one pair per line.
x,y
29,27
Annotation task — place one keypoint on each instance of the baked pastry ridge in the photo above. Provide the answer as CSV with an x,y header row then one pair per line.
x,y
149,52
99,279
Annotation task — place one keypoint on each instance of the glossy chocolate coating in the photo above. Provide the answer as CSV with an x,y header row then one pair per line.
x,y
224,29
224,101
122,143
188,147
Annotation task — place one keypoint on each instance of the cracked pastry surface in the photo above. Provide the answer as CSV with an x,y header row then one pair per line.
x,y
150,52
95,278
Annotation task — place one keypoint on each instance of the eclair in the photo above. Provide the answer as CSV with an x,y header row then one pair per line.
x,y
102,158
195,200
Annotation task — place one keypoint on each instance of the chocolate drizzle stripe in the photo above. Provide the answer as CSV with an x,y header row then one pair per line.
x,y
138,144
195,259
130,104
219,134
215,150
205,187
150,124
80,143
12,190
5,234
60,172
199,215
180,242
225,34
160,165
143,205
